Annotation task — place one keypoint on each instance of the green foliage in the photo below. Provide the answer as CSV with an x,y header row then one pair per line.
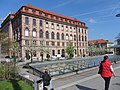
x,y
70,50
14,85
15,48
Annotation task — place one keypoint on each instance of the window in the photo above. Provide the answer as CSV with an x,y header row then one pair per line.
x,y
66,36
74,30
74,44
85,31
34,22
26,20
74,37
58,43
26,42
52,35
70,36
52,25
66,28
57,26
85,38
26,32
58,51
40,13
79,44
41,34
62,36
75,51
82,31
46,24
62,27
79,38
47,35
47,43
58,36
82,38
70,29
79,30
34,42
53,52
26,10
46,15
53,43
34,11
63,44
41,23
34,33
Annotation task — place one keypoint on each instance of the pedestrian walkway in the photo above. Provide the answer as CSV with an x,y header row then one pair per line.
x,y
87,80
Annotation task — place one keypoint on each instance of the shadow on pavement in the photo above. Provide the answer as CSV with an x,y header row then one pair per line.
x,y
118,84
84,88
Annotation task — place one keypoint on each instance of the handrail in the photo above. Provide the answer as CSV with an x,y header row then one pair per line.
x,y
65,66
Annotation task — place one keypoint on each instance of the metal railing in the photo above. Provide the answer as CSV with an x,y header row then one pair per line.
x,y
66,66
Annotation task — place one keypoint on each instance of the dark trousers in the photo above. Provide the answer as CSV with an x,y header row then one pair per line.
x,y
107,82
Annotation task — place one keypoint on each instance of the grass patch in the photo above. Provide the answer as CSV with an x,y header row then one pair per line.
x,y
14,85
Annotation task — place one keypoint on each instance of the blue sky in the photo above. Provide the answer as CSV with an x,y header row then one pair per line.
x,y
99,15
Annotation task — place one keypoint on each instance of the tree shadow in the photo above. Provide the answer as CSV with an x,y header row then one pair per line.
x,y
15,85
84,88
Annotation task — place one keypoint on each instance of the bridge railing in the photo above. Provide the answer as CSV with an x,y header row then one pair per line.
x,y
66,66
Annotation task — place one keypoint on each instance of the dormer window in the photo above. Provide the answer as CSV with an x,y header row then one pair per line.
x,y
34,11
26,10
40,13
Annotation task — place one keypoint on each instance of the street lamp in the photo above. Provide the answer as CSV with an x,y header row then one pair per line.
x,y
118,15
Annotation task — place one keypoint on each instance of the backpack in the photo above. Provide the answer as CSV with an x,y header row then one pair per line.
x,y
46,79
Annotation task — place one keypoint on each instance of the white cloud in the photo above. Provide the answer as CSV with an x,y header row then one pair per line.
x,y
92,20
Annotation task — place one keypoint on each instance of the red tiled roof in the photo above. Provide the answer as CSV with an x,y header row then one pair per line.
x,y
49,13
99,41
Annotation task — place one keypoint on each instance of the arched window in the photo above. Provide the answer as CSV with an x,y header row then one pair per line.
x,y
70,36
34,33
52,35
57,26
52,25
85,38
58,36
41,34
79,38
47,35
74,37
62,36
67,36
82,38
26,32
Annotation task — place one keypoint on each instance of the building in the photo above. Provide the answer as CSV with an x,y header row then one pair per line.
x,y
52,29
102,45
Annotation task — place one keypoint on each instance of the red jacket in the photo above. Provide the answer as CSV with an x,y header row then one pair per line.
x,y
106,72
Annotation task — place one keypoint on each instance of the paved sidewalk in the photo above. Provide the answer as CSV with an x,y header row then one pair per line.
x,y
88,80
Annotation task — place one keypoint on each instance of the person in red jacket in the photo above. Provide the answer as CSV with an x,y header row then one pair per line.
x,y
107,71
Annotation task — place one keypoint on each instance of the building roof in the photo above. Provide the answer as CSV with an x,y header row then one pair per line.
x,y
99,41
49,15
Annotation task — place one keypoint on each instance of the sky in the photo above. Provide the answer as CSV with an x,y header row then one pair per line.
x,y
99,15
